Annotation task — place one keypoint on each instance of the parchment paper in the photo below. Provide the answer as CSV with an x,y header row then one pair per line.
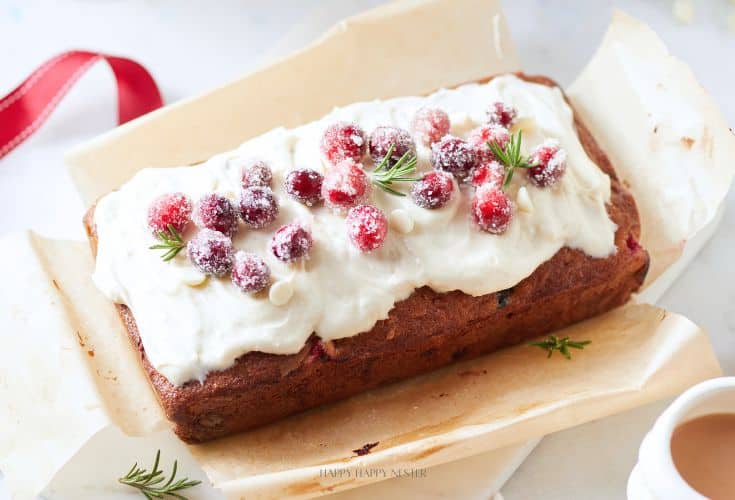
x,y
70,380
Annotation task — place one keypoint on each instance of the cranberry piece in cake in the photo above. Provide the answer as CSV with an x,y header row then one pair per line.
x,y
345,185
502,114
250,273
481,136
343,141
492,210
214,211
258,206
488,171
291,242
171,209
550,161
434,189
382,138
429,125
256,173
211,252
305,186
455,156
367,227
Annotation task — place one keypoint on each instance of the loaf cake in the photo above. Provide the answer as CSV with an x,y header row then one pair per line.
x,y
385,240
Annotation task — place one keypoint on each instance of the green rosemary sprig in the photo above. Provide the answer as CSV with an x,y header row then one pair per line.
x,y
149,483
510,156
562,345
384,177
171,241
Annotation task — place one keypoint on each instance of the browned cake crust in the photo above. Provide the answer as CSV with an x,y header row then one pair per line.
x,y
424,332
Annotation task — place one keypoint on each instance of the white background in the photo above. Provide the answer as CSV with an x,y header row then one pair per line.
x,y
191,46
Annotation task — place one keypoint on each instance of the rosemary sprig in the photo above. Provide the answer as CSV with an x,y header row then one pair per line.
x,y
149,483
554,343
384,177
171,241
510,156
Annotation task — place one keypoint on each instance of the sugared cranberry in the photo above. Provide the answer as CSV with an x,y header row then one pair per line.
x,y
171,209
345,185
291,242
429,125
258,206
382,138
488,171
550,161
343,141
502,114
250,273
455,156
434,189
211,252
214,211
367,227
256,173
305,185
491,209
491,133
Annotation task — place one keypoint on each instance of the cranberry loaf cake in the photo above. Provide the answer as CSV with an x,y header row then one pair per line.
x,y
385,240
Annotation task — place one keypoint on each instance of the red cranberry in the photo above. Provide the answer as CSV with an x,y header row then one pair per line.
x,y
488,171
305,185
434,189
550,161
256,173
502,114
171,209
214,211
382,138
258,206
633,244
491,133
491,209
345,185
250,273
343,141
291,242
429,125
211,252
454,155
367,227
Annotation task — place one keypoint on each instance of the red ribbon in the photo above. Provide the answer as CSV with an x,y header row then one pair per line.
x,y
27,106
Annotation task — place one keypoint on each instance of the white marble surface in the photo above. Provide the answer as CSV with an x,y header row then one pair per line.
x,y
191,46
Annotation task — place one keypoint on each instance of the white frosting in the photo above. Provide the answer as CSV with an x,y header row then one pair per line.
x,y
189,325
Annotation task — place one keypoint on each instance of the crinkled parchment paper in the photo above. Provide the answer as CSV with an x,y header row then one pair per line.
x,y
73,393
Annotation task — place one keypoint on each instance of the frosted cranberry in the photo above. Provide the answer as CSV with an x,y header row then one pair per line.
x,y
550,161
256,173
305,185
455,156
429,125
383,137
491,133
250,273
492,210
172,209
502,114
489,171
211,252
214,211
258,206
434,189
367,227
343,141
291,242
345,185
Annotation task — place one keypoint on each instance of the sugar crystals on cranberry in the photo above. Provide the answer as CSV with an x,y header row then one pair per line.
x,y
367,227
291,242
343,141
256,173
170,209
434,189
429,125
491,209
490,133
345,185
550,163
382,138
305,186
488,171
502,114
250,273
211,252
455,156
258,206
214,211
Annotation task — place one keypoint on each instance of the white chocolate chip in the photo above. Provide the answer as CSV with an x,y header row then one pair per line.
x,y
401,221
524,200
280,293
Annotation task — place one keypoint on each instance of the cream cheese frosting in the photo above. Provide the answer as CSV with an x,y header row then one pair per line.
x,y
190,324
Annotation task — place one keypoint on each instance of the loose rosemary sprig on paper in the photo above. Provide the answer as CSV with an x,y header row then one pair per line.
x,y
510,156
401,171
149,483
171,241
554,343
